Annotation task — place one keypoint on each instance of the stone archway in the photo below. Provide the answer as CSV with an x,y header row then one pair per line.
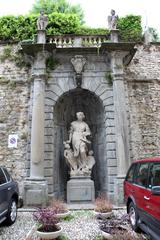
x,y
64,113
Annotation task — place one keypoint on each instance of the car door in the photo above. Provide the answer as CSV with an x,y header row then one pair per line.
x,y
3,193
129,190
153,201
142,193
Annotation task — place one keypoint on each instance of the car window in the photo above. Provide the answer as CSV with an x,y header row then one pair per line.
x,y
154,176
2,177
7,174
130,174
141,177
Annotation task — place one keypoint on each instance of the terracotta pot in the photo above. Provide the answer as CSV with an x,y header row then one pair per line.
x,y
49,235
63,215
103,215
106,235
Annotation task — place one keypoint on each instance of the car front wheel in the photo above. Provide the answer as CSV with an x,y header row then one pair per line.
x,y
12,212
133,216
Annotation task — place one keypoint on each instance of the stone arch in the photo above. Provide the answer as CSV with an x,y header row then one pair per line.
x,y
99,97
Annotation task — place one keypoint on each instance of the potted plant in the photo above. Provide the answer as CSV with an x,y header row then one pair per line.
x,y
60,208
48,227
103,207
117,228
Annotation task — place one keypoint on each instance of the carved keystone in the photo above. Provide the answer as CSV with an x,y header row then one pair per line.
x,y
78,62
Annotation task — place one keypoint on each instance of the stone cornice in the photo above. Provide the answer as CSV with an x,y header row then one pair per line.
x,y
33,48
126,49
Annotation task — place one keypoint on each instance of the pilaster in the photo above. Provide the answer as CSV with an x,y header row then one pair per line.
x,y
35,187
121,124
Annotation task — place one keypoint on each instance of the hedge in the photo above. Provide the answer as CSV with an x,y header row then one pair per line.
x,y
24,27
130,28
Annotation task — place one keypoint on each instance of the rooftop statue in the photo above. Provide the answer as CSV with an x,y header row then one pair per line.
x,y
79,159
42,21
112,20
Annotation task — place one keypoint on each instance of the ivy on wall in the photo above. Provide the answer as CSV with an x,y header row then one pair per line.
x,y
24,27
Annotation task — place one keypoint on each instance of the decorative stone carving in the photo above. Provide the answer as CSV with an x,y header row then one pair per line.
x,y
42,21
79,159
78,63
112,20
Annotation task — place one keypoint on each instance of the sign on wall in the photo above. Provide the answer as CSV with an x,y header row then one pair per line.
x,y
12,141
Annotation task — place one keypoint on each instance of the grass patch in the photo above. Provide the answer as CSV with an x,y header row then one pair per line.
x,y
83,213
62,238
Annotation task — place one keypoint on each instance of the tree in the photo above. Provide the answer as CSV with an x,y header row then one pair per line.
x,y
60,6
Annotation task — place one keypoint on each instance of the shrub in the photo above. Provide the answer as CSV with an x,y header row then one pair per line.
x,y
130,28
46,218
102,204
58,206
91,31
24,27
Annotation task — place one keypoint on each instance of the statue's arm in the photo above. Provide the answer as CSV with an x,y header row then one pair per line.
x,y
45,22
65,154
87,130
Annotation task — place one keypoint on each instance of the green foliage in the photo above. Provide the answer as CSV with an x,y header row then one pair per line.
x,y
130,28
109,78
24,27
10,53
60,23
51,63
91,31
99,237
63,237
6,53
82,213
69,218
17,28
57,6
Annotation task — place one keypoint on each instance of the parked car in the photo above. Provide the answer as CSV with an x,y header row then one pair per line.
x,y
8,197
142,196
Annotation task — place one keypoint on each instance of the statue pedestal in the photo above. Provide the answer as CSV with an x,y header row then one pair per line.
x,y
80,189
35,192
114,35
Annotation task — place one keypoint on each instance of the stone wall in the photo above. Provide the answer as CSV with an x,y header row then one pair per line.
x,y
14,101
142,77
143,82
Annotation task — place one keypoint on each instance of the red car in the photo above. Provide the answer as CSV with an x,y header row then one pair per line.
x,y
142,196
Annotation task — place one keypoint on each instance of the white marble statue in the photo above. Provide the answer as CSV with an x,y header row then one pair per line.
x,y
79,159
112,20
42,21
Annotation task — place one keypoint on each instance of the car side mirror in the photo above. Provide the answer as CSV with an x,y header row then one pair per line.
x,y
156,190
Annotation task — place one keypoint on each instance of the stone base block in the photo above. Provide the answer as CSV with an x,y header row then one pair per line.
x,y
118,191
35,192
80,190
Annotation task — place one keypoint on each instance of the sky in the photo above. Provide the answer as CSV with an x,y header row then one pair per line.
x,y
96,11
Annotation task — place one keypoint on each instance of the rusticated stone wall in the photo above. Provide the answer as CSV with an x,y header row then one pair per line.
x,y
14,102
143,82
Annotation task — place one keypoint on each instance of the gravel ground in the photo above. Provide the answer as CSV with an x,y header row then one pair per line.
x,y
19,229
81,225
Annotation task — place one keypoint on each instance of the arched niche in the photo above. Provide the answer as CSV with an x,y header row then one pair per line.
x,y
64,113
